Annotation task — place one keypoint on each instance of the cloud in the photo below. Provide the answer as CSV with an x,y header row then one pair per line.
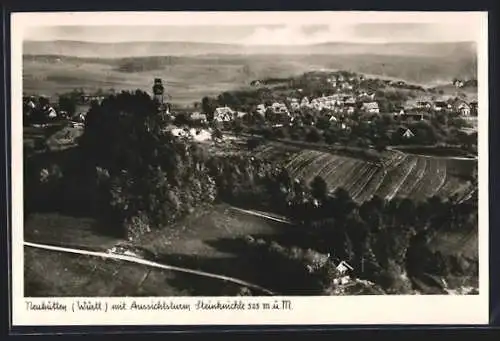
x,y
297,35
361,33
289,34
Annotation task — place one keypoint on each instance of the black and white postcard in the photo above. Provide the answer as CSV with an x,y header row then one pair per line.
x,y
225,168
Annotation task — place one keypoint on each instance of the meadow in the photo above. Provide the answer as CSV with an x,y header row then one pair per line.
x,y
208,240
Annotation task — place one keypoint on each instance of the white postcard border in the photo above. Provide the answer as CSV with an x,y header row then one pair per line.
x,y
435,309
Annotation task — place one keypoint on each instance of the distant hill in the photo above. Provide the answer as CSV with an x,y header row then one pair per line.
x,y
194,70
141,49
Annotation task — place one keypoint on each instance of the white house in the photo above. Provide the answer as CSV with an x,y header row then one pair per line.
x,y
240,114
371,107
279,108
295,105
180,132
342,280
350,109
197,116
350,101
200,135
223,114
261,109
51,112
464,109
343,267
408,134
304,102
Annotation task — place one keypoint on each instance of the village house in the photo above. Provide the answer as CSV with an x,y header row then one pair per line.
x,y
91,98
346,86
279,108
365,96
440,106
198,117
316,104
423,105
407,133
304,102
50,111
200,135
349,100
29,101
463,108
240,114
370,107
294,104
261,109
343,269
400,112
179,132
350,109
223,114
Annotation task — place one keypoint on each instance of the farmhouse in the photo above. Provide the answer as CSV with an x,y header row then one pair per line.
x,y
463,108
351,101
408,134
198,117
371,107
294,105
279,108
440,106
200,135
50,112
240,114
424,105
180,132
223,114
261,109
343,267
91,98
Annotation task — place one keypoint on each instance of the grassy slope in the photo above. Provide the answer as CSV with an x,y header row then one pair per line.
x,y
208,240
56,274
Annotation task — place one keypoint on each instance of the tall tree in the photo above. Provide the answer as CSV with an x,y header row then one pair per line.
x,y
319,189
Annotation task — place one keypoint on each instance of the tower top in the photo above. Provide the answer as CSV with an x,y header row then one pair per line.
x,y
158,86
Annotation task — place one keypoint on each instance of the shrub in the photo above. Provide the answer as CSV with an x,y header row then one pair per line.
x,y
137,225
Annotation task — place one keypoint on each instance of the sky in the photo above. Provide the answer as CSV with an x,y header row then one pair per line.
x,y
291,32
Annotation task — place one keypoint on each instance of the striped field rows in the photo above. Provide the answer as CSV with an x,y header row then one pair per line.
x,y
400,175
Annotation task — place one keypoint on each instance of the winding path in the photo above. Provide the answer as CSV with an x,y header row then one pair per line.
x,y
147,263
